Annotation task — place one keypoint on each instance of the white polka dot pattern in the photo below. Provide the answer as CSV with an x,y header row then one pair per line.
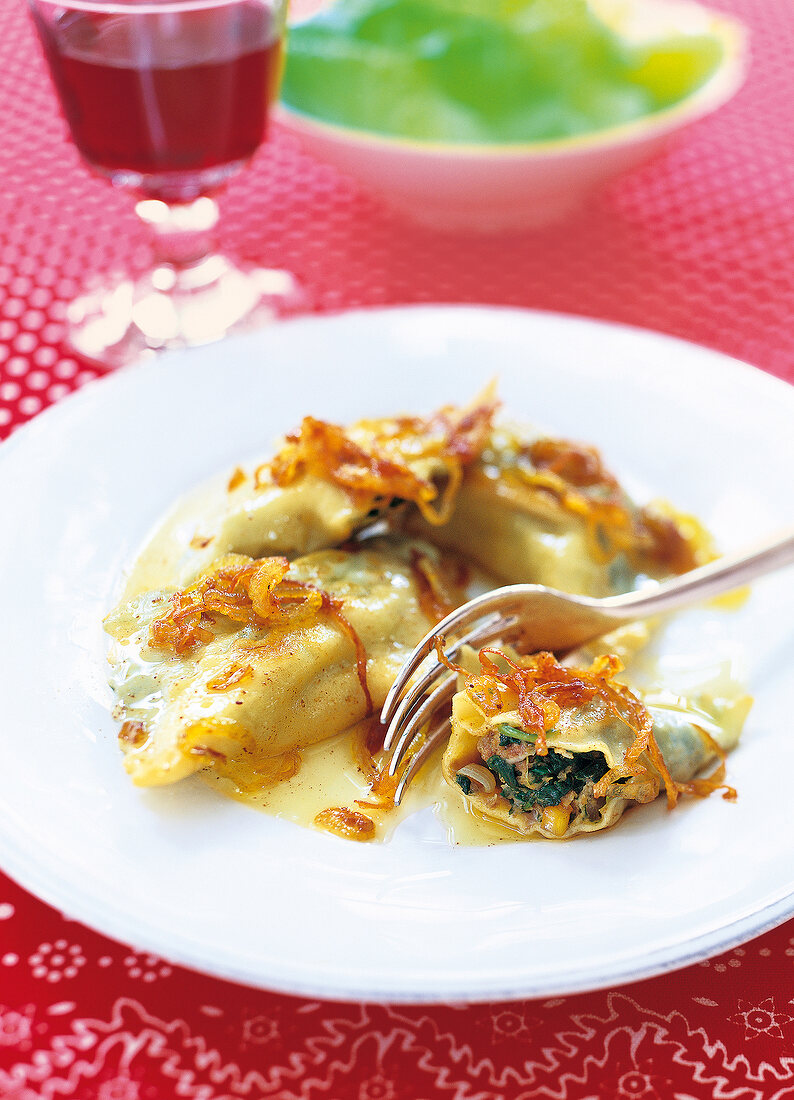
x,y
696,244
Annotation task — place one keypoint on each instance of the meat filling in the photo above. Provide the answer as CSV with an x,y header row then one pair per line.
x,y
531,782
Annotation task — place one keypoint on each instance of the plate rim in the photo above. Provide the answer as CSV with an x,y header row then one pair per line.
x,y
111,922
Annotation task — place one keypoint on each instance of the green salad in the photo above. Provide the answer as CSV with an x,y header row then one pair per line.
x,y
484,70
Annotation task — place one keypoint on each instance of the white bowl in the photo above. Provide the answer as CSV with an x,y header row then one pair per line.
x,y
488,188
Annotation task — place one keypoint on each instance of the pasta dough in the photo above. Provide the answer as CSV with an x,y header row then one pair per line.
x,y
258,689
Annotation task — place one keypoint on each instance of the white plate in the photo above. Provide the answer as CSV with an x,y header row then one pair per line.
x,y
212,884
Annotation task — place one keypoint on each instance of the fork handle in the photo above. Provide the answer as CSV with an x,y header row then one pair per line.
x,y
730,571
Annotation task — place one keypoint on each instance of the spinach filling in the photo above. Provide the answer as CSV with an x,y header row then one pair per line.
x,y
543,780
511,735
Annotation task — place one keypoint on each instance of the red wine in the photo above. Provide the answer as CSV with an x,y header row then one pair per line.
x,y
166,90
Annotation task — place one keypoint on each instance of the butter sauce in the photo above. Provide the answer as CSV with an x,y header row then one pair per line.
x,y
304,783
329,776
328,773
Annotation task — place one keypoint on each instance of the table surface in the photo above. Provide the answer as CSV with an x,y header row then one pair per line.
x,y
699,244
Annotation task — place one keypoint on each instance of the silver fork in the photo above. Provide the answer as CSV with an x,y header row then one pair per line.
x,y
532,617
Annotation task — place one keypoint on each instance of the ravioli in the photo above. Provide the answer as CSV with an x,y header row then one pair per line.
x,y
327,482
260,657
547,511
276,617
523,508
549,750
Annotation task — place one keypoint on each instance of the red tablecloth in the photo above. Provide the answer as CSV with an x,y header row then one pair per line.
x,y
701,245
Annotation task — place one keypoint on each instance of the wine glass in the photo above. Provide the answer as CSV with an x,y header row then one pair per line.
x,y
169,98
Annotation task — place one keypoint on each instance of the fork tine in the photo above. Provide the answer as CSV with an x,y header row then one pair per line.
x,y
462,617
418,706
434,738
410,708
440,695
492,628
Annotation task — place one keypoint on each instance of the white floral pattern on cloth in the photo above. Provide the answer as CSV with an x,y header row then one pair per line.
x,y
54,962
623,1048
133,1055
16,1028
144,967
630,1052
764,1018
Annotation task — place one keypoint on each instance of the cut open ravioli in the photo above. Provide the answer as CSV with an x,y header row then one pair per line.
x,y
550,750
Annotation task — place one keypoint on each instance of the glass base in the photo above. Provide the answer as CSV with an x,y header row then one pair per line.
x,y
179,307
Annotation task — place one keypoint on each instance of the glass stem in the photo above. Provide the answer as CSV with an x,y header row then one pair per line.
x,y
183,233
